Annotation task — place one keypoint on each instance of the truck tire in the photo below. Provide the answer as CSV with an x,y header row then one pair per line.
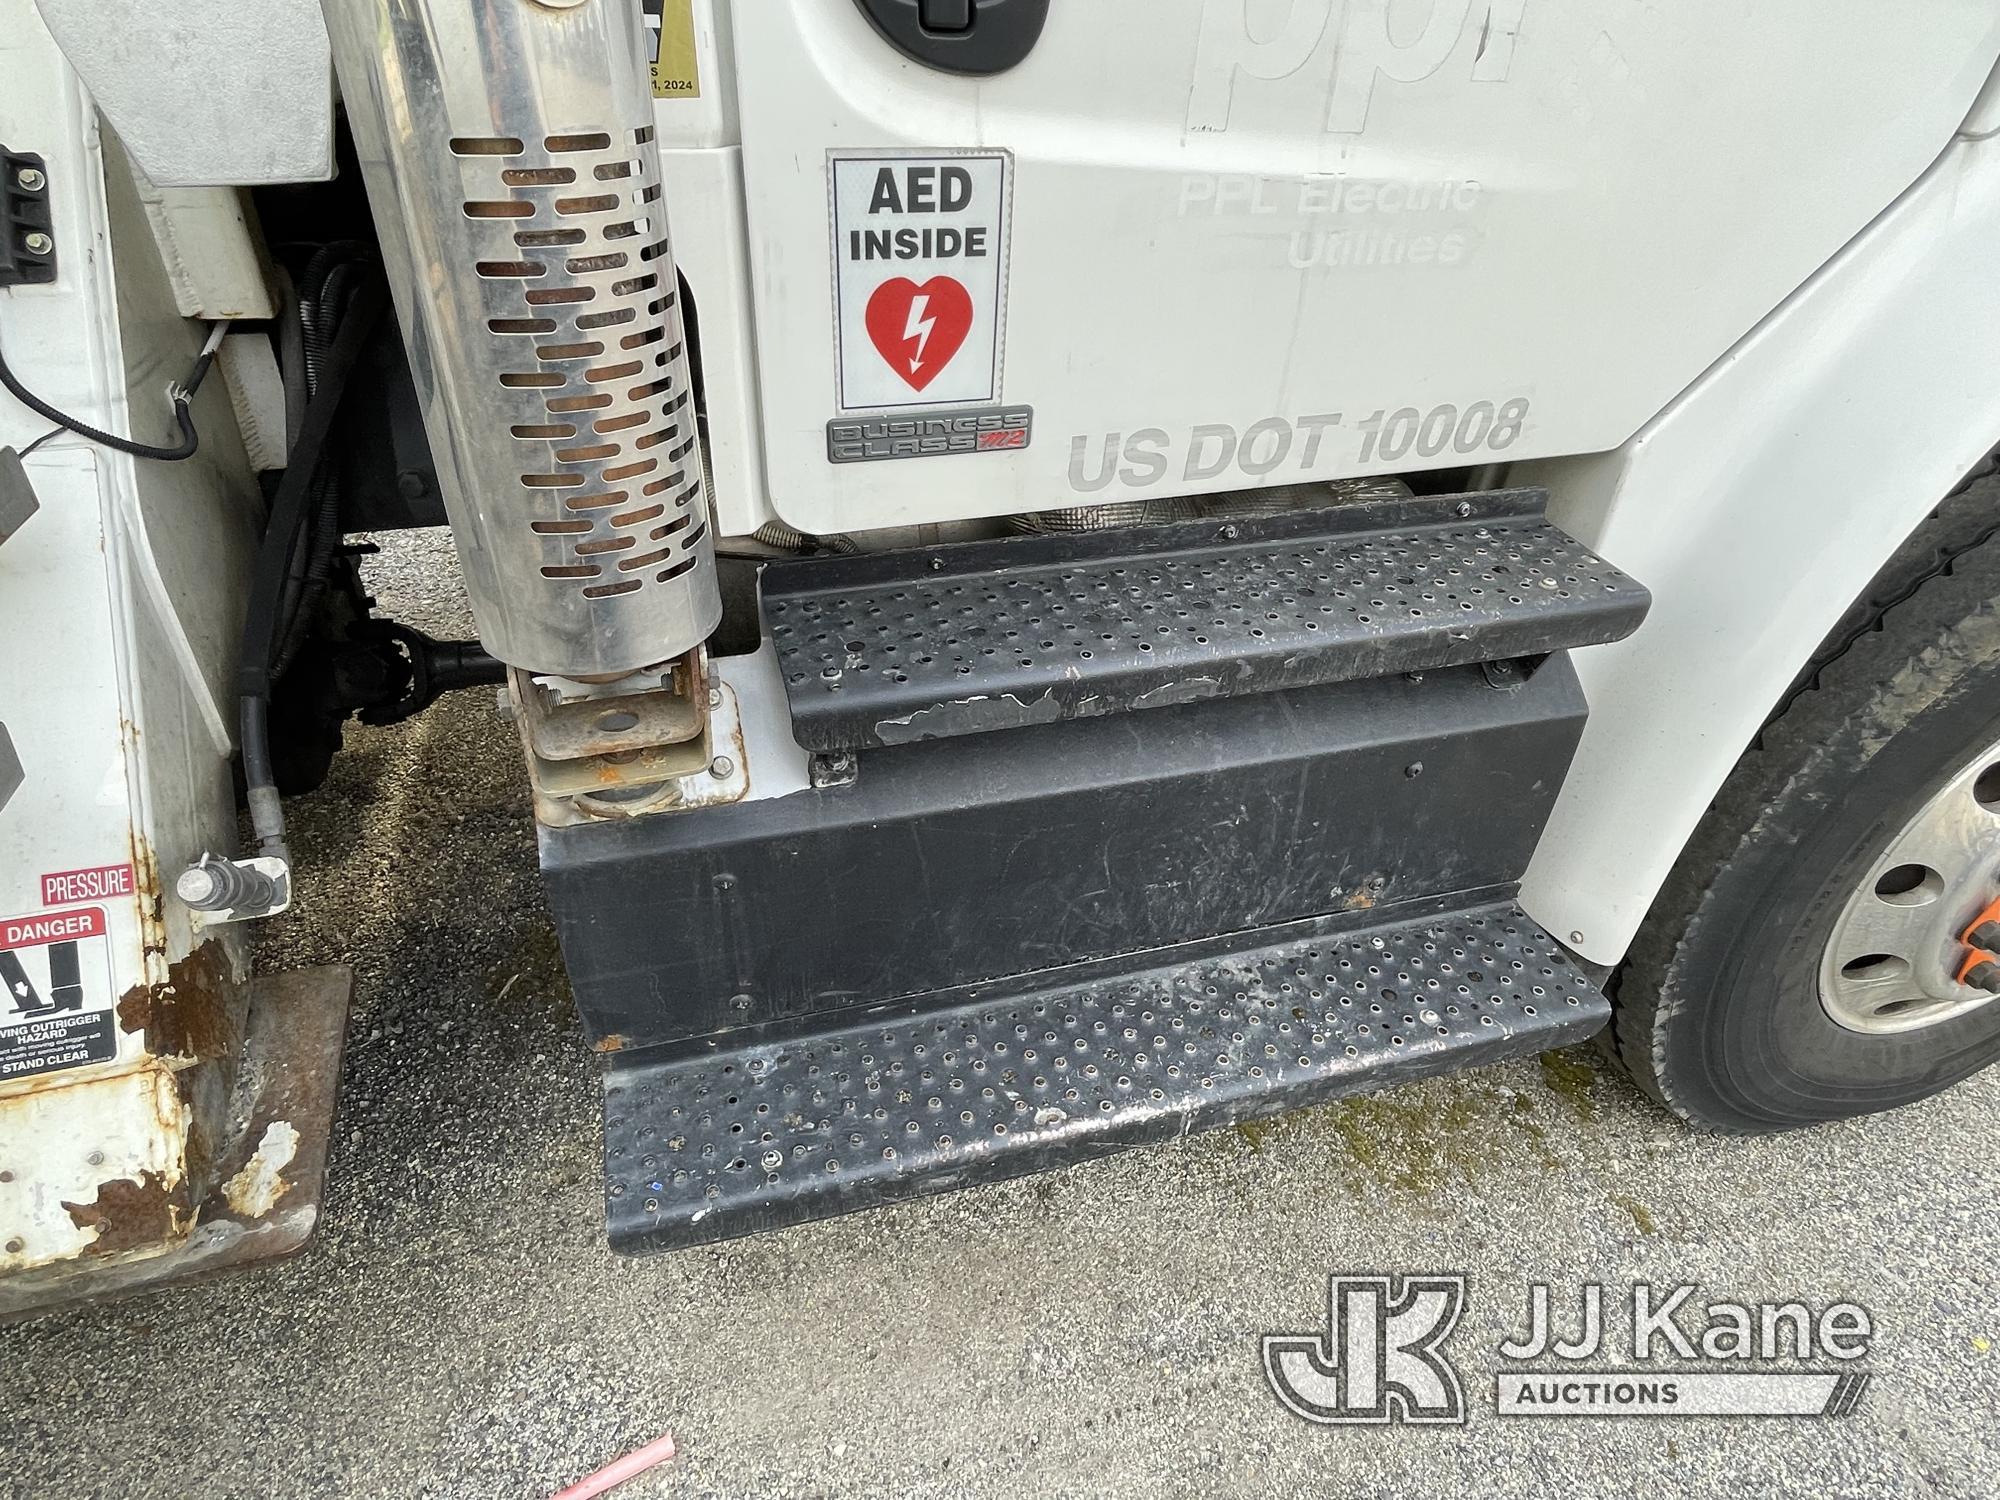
x,y
1867,813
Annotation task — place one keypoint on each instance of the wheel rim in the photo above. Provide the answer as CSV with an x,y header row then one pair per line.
x,y
1891,964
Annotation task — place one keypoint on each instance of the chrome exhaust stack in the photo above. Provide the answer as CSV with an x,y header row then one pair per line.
x,y
508,151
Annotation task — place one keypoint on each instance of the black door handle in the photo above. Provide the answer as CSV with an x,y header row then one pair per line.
x,y
976,37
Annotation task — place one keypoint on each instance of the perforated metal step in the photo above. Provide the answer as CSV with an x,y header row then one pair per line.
x,y
897,1104
889,648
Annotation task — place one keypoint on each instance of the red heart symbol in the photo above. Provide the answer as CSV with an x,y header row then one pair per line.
x,y
919,328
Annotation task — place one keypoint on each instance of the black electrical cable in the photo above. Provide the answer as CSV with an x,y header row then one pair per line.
x,y
288,504
328,291
181,395
310,573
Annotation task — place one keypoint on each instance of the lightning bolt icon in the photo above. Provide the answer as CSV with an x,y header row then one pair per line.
x,y
919,328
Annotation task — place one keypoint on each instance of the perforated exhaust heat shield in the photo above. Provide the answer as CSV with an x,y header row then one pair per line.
x,y
509,155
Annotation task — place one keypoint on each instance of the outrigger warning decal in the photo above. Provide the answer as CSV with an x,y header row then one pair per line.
x,y
55,992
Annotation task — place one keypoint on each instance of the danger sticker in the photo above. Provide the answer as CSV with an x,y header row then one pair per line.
x,y
920,256
55,971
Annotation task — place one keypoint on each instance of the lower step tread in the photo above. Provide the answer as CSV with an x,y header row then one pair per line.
x,y
708,1147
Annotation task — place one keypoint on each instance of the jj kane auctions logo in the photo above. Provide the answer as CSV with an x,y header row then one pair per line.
x,y
1382,1356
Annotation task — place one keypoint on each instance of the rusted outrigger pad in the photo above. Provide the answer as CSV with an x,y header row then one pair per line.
x,y
267,1200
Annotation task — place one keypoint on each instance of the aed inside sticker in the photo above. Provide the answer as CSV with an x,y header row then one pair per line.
x,y
920,277
55,970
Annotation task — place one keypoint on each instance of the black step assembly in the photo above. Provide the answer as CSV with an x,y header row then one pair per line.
x,y
1142,832
904,1101
890,648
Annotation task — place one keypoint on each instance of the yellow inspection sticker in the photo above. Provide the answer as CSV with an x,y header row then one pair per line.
x,y
676,70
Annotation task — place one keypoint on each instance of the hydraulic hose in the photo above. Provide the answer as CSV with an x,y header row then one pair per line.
x,y
289,507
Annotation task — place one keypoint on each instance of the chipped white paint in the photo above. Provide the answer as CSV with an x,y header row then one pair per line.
x,y
255,1191
60,1145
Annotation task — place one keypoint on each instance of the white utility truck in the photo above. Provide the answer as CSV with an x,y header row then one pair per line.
x,y
1066,573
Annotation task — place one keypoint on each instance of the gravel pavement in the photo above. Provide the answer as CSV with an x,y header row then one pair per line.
x,y
459,1329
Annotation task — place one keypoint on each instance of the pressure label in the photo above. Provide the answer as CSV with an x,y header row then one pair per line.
x,y
55,972
920,278
98,883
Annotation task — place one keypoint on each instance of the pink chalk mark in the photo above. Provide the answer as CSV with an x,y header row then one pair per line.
x,y
633,1464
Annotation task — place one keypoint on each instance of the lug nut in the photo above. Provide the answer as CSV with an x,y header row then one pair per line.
x,y
1984,975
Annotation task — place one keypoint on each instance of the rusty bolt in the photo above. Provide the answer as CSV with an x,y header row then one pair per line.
x,y
31,181
721,767
15,1246
6,1176
38,243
